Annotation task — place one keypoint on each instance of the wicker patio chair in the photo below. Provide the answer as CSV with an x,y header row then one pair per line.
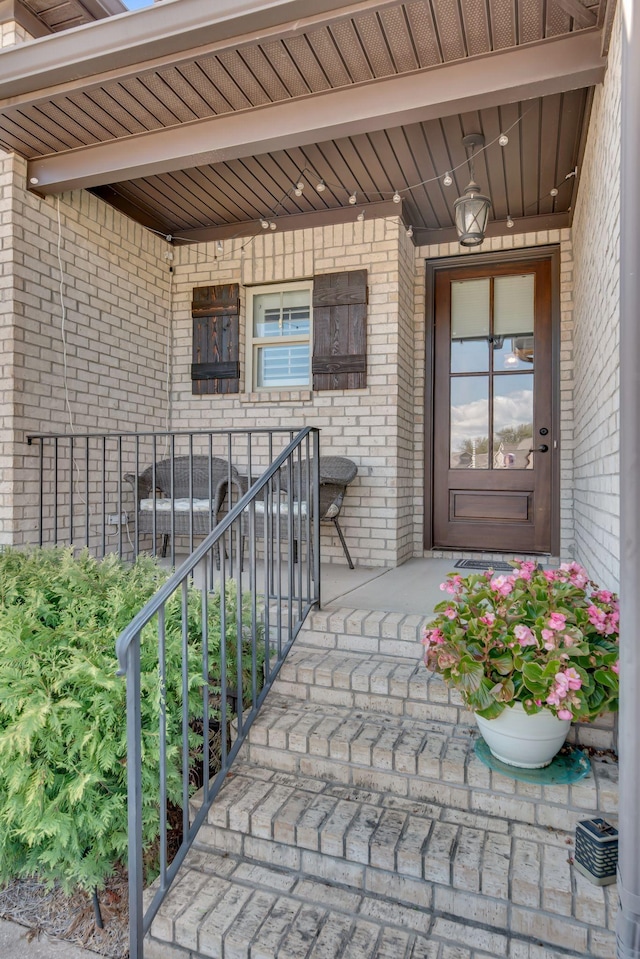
x,y
336,473
200,485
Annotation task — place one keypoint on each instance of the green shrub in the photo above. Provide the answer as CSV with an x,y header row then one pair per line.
x,y
63,810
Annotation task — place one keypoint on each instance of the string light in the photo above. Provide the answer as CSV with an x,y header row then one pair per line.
x,y
321,187
410,231
264,224
299,188
353,199
396,197
509,222
554,191
503,139
272,226
219,246
361,216
447,179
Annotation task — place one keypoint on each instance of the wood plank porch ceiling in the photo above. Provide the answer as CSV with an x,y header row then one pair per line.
x,y
350,46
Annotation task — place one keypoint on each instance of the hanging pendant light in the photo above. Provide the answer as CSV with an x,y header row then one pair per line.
x,y
472,208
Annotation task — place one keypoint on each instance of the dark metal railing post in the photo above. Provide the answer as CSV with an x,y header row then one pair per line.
x,y
41,498
86,486
104,495
71,461
134,787
316,515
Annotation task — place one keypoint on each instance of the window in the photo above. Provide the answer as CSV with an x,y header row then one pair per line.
x,y
279,336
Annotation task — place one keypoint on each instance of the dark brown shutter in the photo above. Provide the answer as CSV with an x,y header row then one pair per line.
x,y
340,331
216,342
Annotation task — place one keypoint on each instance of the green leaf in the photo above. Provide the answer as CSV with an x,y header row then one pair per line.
x,y
606,678
502,662
470,674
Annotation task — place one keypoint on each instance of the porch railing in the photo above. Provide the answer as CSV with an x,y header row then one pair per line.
x,y
144,491
233,625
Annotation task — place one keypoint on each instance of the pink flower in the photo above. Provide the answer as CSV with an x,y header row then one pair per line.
x,y
550,575
554,697
433,637
556,621
564,714
573,678
452,585
597,618
568,640
488,619
603,596
524,635
549,638
449,612
616,667
502,585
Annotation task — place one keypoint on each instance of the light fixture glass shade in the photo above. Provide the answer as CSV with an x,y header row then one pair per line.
x,y
471,214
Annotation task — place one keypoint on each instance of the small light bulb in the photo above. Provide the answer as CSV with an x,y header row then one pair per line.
x,y
264,224
299,188
272,226
34,180
410,231
509,222
361,216
396,197
447,179
353,199
219,246
321,187
503,139
553,192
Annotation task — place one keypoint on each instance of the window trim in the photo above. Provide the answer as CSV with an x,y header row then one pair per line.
x,y
253,343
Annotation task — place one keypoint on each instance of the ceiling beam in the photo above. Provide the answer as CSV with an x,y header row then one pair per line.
x,y
16,11
523,224
166,33
295,221
581,14
505,77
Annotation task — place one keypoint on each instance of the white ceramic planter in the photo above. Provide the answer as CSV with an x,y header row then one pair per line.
x,y
518,739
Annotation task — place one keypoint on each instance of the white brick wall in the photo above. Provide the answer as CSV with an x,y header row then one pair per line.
x,y
116,294
369,425
596,241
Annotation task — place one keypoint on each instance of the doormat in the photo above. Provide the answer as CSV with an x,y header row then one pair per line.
x,y
569,766
482,564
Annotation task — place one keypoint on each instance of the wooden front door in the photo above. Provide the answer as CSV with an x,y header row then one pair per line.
x,y
493,430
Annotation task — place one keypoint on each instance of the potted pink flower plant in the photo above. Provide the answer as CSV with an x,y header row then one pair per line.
x,y
537,643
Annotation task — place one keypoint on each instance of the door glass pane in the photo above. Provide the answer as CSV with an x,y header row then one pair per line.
x,y
512,421
513,315
469,422
470,307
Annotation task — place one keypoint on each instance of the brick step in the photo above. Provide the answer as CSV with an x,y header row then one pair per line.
x,y
422,855
222,907
361,630
394,685
421,760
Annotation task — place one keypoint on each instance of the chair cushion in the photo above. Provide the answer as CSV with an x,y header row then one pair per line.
x,y
178,505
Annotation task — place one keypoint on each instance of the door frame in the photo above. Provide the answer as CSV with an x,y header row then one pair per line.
x,y
549,252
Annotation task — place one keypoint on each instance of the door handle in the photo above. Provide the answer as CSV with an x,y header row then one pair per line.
x,y
543,448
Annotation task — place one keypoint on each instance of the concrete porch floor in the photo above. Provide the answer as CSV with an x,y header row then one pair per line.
x,y
413,588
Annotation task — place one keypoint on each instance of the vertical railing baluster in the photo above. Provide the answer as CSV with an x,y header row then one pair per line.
x,y
299,522
162,671
230,500
136,500
222,552
307,520
173,501
185,708
154,481
41,494
252,593
291,543
104,497
206,772
278,562
239,638
190,493
71,455
86,486
316,514
55,491
134,800
120,523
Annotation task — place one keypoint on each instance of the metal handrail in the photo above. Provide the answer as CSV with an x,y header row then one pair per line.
x,y
279,516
